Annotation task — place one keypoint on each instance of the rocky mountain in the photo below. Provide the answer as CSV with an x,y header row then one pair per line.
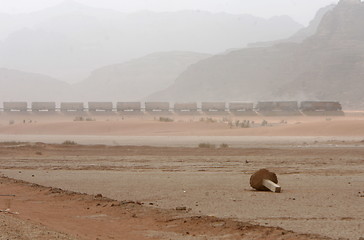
x,y
327,66
135,79
302,34
25,86
69,40
129,81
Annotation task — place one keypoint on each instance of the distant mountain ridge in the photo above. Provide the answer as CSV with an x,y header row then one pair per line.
x,y
137,78
70,40
25,86
327,66
129,81
302,34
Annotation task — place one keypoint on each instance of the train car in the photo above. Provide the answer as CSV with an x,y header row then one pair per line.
x,y
280,108
157,107
43,106
15,106
100,106
213,107
321,108
128,107
72,107
185,107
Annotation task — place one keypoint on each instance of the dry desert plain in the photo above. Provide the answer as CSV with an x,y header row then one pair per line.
x,y
136,177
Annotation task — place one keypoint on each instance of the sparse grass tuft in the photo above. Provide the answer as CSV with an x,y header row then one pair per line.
x,y
68,142
264,123
224,145
78,119
206,145
165,119
81,119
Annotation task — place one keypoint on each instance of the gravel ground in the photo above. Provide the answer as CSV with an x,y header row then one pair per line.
x,y
13,228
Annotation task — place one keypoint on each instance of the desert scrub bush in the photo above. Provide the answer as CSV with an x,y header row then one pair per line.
x,y
78,119
165,119
89,119
264,123
69,142
224,145
206,145
245,124
211,120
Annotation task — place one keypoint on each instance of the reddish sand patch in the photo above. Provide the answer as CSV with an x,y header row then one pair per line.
x,y
95,217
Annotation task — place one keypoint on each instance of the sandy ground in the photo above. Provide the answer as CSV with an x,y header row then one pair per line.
x,y
15,228
319,162
322,185
350,126
96,217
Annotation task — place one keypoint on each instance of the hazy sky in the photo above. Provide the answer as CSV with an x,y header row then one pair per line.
x,y
301,10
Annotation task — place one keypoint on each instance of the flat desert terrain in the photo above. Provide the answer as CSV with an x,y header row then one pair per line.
x,y
139,177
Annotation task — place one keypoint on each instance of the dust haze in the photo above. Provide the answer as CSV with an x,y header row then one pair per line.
x,y
219,119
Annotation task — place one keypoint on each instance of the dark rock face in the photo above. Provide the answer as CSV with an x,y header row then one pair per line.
x,y
327,66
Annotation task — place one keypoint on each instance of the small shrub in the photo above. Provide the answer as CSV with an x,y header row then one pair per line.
x,y
165,119
68,142
264,123
224,145
78,119
90,119
210,120
206,145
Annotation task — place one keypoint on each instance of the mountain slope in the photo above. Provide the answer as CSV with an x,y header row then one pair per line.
x,y
24,86
302,34
70,40
137,78
327,66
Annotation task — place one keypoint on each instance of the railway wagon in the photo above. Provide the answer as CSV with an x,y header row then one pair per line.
x,y
43,106
320,106
241,107
100,106
213,107
284,108
15,106
128,106
157,107
277,106
72,107
185,107
326,108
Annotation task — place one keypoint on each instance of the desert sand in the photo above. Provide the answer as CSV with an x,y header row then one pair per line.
x,y
201,125
318,160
